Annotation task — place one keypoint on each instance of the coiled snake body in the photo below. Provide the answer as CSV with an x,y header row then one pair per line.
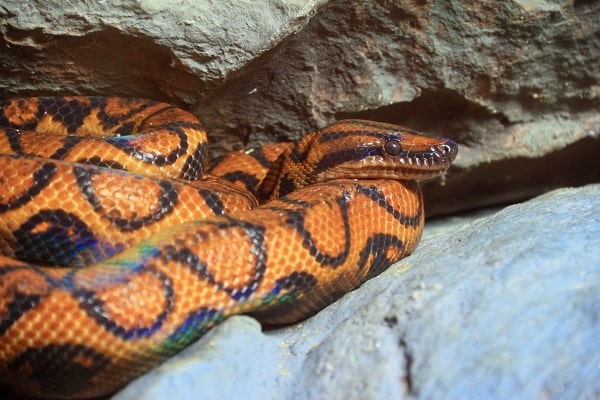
x,y
149,252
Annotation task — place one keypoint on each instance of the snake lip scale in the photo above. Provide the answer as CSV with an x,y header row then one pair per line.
x,y
121,244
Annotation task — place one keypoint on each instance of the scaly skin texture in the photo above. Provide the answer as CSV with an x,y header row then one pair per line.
x,y
148,255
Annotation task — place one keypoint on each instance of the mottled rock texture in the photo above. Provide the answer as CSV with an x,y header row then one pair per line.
x,y
516,83
504,307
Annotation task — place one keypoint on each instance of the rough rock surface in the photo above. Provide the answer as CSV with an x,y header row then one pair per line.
x,y
516,83
502,307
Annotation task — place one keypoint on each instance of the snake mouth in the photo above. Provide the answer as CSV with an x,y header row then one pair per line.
x,y
407,164
422,164
437,158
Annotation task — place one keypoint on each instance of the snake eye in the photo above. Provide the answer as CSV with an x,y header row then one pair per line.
x,y
392,147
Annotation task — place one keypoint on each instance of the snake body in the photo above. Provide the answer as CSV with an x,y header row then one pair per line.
x,y
118,248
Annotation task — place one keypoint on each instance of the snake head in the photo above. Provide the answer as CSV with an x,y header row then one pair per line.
x,y
373,150
357,149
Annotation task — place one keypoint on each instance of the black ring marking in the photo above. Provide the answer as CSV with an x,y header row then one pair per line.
x,y
94,308
298,153
70,113
255,233
258,154
295,282
378,197
20,304
41,178
165,203
296,220
280,301
110,121
4,121
13,136
286,185
60,369
196,323
249,181
213,201
123,143
21,301
194,164
377,246
65,240
68,143
269,183
99,162
284,291
341,156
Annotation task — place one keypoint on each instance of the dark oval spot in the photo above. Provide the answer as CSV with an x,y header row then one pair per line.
x,y
392,147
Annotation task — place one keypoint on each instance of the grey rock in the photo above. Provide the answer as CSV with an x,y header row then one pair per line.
x,y
138,48
506,306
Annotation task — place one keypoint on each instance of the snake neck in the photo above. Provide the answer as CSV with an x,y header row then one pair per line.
x,y
292,170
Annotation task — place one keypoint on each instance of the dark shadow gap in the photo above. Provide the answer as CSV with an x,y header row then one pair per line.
x,y
514,180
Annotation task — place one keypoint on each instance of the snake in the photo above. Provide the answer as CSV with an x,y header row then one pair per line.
x,y
121,243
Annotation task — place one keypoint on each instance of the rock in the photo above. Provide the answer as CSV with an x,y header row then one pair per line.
x,y
138,48
516,84
503,307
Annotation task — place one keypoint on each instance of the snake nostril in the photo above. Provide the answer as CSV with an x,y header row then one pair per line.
x,y
448,149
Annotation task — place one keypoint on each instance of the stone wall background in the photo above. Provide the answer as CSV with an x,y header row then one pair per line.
x,y
516,83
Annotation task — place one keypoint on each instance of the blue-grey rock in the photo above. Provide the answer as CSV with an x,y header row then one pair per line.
x,y
507,306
